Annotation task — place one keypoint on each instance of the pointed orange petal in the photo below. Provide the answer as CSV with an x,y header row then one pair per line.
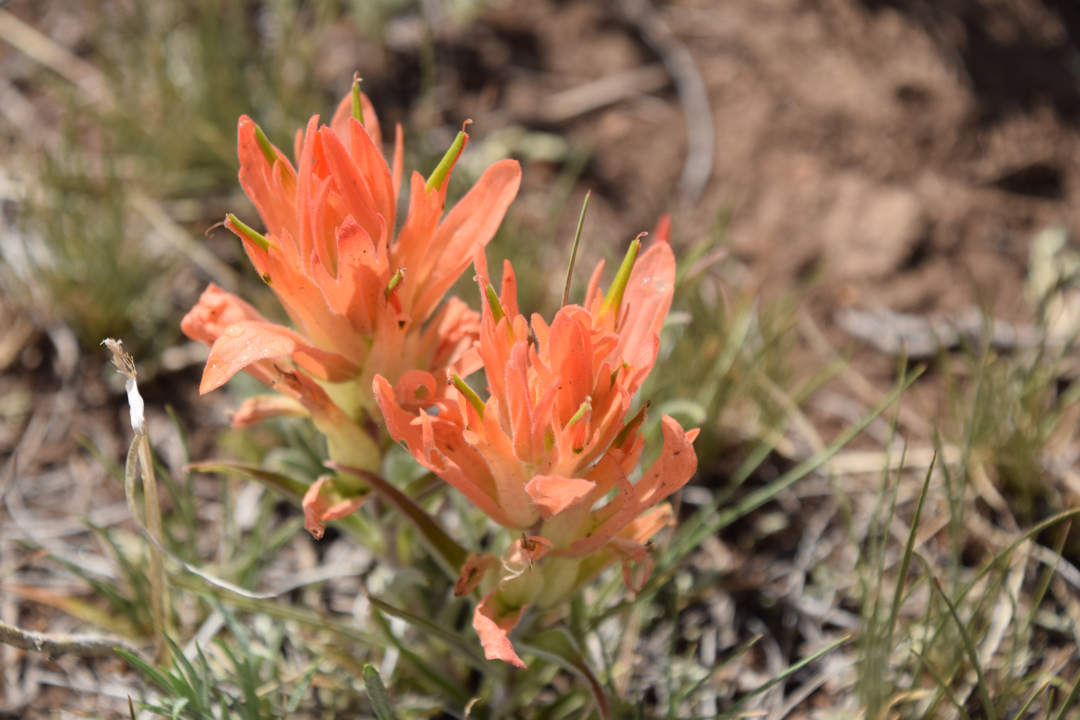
x,y
275,200
354,184
438,445
570,355
369,159
493,630
662,231
647,299
469,225
320,506
216,310
677,464
399,160
343,114
552,494
263,407
244,343
472,572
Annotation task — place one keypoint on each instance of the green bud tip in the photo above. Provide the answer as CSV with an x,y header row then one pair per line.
x,y
585,407
439,175
357,105
398,278
631,427
265,146
237,226
497,312
613,301
469,393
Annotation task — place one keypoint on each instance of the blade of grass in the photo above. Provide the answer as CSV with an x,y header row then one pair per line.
x,y
973,655
1022,712
302,687
574,249
905,562
293,491
942,685
1046,577
448,689
735,656
1070,700
732,711
466,652
380,702
555,646
763,495
129,487
444,548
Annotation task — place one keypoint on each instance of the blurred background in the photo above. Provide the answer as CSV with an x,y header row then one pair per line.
x,y
856,185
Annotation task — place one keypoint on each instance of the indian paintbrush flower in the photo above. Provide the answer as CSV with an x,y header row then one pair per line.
x,y
362,303
553,439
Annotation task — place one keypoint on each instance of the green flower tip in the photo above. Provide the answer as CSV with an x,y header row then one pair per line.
x,y
238,227
497,312
630,429
396,280
469,393
442,170
613,301
357,105
265,146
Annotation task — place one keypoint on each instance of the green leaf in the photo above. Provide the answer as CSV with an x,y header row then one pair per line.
x,y
444,548
302,687
293,490
557,647
377,692
731,712
464,649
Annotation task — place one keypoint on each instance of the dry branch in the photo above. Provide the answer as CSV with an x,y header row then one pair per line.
x,y
59,644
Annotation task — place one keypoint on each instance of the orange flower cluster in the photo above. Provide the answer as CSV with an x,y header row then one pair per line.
x,y
550,453
361,304
554,439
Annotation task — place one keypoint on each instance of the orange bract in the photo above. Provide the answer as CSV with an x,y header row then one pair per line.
x,y
361,305
553,439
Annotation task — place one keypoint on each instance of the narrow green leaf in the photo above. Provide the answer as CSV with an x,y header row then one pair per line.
x,y
444,548
783,676
302,687
735,656
613,301
905,563
557,647
293,491
284,484
574,249
442,171
380,702
463,648
763,495
1070,701
942,685
973,655
447,688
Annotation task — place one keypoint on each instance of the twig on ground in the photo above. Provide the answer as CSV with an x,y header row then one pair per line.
x,y
606,91
60,644
680,65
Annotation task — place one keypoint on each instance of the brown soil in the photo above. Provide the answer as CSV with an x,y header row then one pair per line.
x,y
900,152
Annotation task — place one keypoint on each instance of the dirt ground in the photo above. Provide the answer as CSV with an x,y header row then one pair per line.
x,y
870,153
